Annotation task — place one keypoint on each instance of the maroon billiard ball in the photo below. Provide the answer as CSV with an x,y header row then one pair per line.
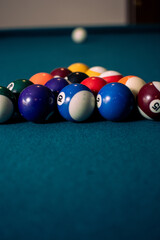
x,y
60,72
94,84
148,100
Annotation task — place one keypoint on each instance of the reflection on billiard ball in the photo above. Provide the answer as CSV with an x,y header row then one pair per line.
x,y
111,76
94,84
40,78
60,72
133,83
95,71
7,104
79,35
115,102
76,102
78,67
76,77
56,84
148,100
36,103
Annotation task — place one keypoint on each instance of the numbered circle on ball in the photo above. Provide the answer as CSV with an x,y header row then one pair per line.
x,y
99,100
155,106
61,98
10,86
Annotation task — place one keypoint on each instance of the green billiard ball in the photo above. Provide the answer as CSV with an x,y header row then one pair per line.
x,y
7,104
18,86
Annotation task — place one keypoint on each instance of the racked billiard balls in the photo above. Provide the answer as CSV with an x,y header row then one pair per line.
x,y
78,67
41,78
76,77
95,71
111,76
18,85
36,103
94,84
56,84
76,103
134,83
7,104
115,102
60,72
148,100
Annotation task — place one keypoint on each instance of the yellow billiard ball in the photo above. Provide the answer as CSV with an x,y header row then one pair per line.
x,y
95,71
78,67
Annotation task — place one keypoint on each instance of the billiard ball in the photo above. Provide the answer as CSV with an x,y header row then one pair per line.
x,y
78,67
94,84
111,76
36,103
40,78
115,102
76,102
133,83
79,35
18,85
148,101
76,77
56,84
7,104
60,72
95,71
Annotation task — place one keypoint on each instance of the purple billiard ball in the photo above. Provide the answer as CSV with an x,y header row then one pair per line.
x,y
36,103
56,85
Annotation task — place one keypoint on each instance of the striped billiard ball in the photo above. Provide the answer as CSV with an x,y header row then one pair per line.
x,y
134,83
7,104
76,103
111,76
148,100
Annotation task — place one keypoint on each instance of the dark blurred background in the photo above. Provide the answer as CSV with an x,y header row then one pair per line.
x,y
53,13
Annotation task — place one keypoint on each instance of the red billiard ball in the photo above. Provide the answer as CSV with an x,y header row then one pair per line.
x,y
148,100
111,76
60,72
94,84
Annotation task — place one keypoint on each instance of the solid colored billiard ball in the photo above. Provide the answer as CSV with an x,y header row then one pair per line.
x,y
76,102
79,35
95,71
7,104
41,78
148,100
60,72
78,67
133,83
56,85
76,77
36,103
94,84
111,76
115,102
18,85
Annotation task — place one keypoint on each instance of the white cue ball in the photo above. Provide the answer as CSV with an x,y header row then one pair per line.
x,y
79,35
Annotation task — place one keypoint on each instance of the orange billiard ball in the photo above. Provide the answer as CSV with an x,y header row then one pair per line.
x,y
41,78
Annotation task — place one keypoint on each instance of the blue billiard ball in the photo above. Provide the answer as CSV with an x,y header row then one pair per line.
x,y
76,102
36,103
56,84
115,102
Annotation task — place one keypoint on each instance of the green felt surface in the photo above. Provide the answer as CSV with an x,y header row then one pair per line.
x,y
95,180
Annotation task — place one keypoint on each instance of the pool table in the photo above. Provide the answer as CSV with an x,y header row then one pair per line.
x,y
97,180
